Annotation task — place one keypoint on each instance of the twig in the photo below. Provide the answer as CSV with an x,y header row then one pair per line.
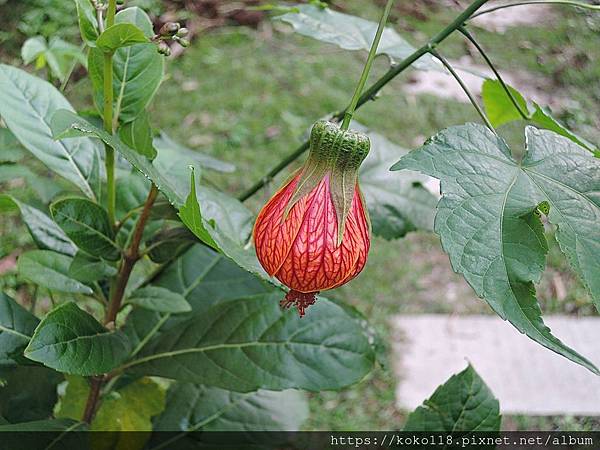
x,y
510,95
371,92
465,89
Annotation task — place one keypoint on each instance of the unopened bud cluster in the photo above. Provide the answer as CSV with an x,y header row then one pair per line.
x,y
171,31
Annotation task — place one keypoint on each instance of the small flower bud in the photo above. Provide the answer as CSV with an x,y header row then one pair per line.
x,y
163,48
183,42
169,29
183,32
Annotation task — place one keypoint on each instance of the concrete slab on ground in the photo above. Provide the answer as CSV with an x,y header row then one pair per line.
x,y
525,377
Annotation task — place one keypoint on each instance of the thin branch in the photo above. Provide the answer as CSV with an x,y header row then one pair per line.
x,y
510,95
538,2
365,73
372,91
465,89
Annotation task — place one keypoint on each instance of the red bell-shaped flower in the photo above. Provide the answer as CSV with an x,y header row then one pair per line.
x,y
313,234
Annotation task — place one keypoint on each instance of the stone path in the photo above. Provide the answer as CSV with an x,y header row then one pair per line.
x,y
525,377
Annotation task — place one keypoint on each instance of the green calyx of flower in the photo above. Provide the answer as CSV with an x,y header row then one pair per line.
x,y
339,154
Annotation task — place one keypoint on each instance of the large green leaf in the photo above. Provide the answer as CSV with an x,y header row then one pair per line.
x,y
28,392
16,327
10,149
500,110
488,217
463,403
352,33
251,343
137,69
176,156
45,232
87,269
397,203
137,134
66,124
50,270
195,407
159,299
204,278
88,226
229,243
27,105
72,341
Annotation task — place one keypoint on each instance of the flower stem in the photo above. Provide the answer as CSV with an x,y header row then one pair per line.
x,y
370,93
365,73
488,61
465,89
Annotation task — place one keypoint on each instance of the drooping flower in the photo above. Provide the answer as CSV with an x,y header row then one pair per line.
x,y
313,234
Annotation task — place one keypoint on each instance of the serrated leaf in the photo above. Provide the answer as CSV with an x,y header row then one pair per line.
x,y
488,217
171,152
88,23
87,225
43,230
159,299
50,270
10,149
463,403
195,407
28,393
72,341
500,110
137,134
27,105
137,70
352,33
16,327
120,35
250,343
396,204
87,269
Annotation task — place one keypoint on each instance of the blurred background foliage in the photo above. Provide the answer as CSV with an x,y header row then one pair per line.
x,y
246,91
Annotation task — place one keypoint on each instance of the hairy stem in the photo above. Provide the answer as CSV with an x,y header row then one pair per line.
x,y
465,89
488,61
370,93
540,2
365,73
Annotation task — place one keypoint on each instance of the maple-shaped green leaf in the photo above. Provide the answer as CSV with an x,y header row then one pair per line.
x,y
488,217
463,403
